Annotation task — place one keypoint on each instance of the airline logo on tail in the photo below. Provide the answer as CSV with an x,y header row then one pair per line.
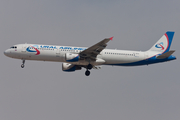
x,y
34,49
160,45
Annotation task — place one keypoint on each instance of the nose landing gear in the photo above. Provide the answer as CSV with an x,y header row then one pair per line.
x,y
22,66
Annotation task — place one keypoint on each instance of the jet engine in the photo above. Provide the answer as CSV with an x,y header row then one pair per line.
x,y
70,67
69,57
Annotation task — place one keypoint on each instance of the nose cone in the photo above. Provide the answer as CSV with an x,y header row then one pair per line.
x,y
6,52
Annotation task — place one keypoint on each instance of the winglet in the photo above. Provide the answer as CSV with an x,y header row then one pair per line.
x,y
111,38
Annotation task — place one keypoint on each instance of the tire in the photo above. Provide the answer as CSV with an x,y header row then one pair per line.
x,y
87,73
22,66
89,67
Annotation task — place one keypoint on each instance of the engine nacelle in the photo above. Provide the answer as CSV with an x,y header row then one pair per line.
x,y
69,57
69,67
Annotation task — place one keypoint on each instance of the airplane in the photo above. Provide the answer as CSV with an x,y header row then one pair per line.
x,y
76,58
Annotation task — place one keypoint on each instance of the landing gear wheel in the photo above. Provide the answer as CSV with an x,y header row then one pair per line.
x,y
87,73
89,67
22,66
23,61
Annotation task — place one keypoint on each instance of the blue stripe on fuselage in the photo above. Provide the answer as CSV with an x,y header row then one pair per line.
x,y
151,60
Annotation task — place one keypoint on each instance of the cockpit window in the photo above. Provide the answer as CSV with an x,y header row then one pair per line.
x,y
14,47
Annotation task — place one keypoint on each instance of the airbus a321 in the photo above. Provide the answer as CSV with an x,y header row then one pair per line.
x,y
76,58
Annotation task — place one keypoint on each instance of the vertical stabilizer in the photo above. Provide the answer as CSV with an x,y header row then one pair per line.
x,y
164,43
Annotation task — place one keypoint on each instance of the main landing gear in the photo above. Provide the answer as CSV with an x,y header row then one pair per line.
x,y
22,66
89,67
87,73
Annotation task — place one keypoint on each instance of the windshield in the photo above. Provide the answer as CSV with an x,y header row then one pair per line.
x,y
14,47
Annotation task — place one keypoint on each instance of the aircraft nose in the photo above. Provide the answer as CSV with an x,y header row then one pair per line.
x,y
6,52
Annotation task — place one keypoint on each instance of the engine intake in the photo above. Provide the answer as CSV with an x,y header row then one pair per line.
x,y
70,67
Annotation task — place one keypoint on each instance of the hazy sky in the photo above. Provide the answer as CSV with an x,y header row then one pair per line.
x,y
42,91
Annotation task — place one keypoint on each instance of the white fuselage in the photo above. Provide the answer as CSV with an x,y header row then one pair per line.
x,y
57,54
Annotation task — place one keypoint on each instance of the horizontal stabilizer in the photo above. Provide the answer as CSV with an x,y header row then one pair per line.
x,y
165,55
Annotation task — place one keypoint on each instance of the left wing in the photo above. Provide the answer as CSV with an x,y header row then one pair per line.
x,y
94,50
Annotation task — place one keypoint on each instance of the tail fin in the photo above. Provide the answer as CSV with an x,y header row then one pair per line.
x,y
164,43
